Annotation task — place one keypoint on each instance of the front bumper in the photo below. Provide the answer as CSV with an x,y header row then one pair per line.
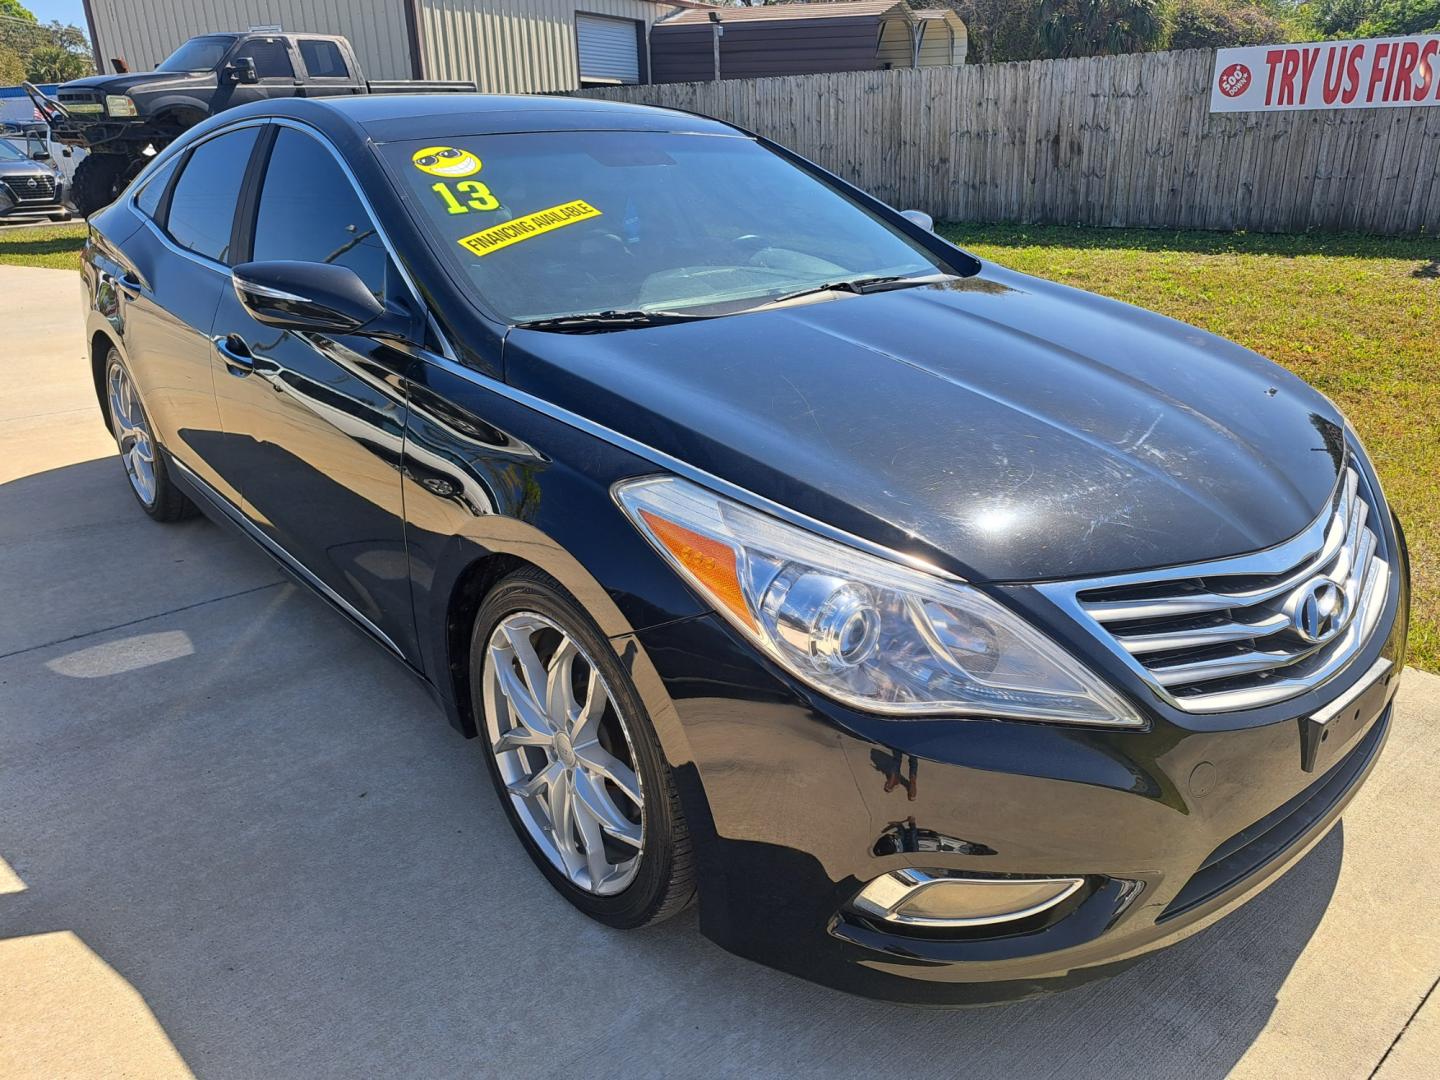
x,y
795,803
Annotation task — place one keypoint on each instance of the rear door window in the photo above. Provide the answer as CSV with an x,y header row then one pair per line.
x,y
202,206
323,59
272,58
154,190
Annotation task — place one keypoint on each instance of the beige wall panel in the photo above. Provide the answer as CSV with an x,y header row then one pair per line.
x,y
144,32
514,46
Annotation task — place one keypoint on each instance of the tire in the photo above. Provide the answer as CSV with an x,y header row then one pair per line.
x,y
140,454
530,605
98,179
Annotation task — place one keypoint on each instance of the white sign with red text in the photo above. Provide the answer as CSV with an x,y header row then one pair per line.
x,y
1371,74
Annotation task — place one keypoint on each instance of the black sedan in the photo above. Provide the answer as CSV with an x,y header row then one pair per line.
x,y
950,634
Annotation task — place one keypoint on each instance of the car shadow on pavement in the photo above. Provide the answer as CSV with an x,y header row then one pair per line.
x,y
266,828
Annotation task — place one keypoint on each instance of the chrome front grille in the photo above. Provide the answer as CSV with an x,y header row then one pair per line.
x,y
30,188
1255,629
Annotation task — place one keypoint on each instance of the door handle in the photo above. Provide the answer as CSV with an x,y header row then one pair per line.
x,y
237,356
130,285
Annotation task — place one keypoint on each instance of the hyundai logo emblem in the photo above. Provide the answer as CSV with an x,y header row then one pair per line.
x,y
1318,610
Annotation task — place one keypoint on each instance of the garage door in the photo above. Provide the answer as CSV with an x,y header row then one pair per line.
x,y
609,49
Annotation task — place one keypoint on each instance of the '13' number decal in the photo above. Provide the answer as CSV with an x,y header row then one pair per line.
x,y
478,196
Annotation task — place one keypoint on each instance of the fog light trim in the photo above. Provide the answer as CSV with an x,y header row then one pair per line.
x,y
887,897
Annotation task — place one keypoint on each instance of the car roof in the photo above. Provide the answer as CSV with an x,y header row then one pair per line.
x,y
395,117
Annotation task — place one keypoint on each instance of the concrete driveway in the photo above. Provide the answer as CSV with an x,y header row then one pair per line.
x,y
237,840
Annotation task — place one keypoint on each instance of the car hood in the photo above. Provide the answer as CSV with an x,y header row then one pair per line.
x,y
28,167
1007,428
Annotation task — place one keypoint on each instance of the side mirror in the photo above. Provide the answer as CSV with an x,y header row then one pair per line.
x,y
317,297
66,151
919,217
41,154
241,70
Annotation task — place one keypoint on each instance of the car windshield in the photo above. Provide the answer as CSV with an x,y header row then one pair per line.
x,y
197,54
554,224
10,152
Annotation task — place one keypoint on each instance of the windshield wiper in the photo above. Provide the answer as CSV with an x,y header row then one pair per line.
x,y
863,285
609,320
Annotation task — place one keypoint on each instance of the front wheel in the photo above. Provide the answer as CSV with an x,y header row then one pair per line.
x,y
574,757
98,179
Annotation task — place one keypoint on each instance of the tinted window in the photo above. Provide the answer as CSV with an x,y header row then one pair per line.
x,y
154,190
272,58
197,54
309,212
323,59
203,204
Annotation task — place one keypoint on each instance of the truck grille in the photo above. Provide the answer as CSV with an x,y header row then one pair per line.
x,y
1252,630
30,188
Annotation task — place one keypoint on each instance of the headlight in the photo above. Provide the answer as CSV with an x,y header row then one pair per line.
x,y
871,633
120,105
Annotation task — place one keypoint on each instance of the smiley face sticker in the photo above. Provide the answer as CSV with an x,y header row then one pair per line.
x,y
446,161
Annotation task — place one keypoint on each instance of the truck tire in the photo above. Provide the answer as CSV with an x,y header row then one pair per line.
x,y
98,179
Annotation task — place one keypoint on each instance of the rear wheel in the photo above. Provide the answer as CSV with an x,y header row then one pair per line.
x,y
139,453
574,758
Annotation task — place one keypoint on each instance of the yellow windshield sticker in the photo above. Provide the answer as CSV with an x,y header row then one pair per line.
x,y
477,196
446,161
523,228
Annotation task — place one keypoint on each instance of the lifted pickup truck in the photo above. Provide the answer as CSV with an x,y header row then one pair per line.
x,y
124,119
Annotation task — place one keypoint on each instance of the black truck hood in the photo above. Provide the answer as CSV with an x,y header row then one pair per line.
x,y
124,84
1006,427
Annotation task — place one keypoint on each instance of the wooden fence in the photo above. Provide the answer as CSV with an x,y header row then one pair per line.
x,y
1126,140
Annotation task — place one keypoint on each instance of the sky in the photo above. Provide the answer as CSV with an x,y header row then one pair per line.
x,y
67,11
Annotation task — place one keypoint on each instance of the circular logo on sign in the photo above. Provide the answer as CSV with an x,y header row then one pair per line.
x,y
1234,80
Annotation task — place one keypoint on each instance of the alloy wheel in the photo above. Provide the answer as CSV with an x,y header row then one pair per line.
x,y
563,753
132,433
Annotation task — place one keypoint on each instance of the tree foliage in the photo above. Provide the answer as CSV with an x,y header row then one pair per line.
x,y
1101,27
13,9
1222,24
47,54
1371,18
1392,18
12,68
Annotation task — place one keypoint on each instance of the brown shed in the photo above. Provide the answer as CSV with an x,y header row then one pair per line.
x,y
801,39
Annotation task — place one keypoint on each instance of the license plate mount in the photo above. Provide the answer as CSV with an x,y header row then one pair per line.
x,y
1325,735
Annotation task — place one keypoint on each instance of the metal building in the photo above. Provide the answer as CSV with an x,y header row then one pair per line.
x,y
803,39
504,46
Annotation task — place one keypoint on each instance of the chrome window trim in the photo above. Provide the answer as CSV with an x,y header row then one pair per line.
x,y
280,554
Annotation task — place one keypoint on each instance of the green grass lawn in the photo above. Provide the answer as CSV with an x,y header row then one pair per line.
x,y
55,246
1359,317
